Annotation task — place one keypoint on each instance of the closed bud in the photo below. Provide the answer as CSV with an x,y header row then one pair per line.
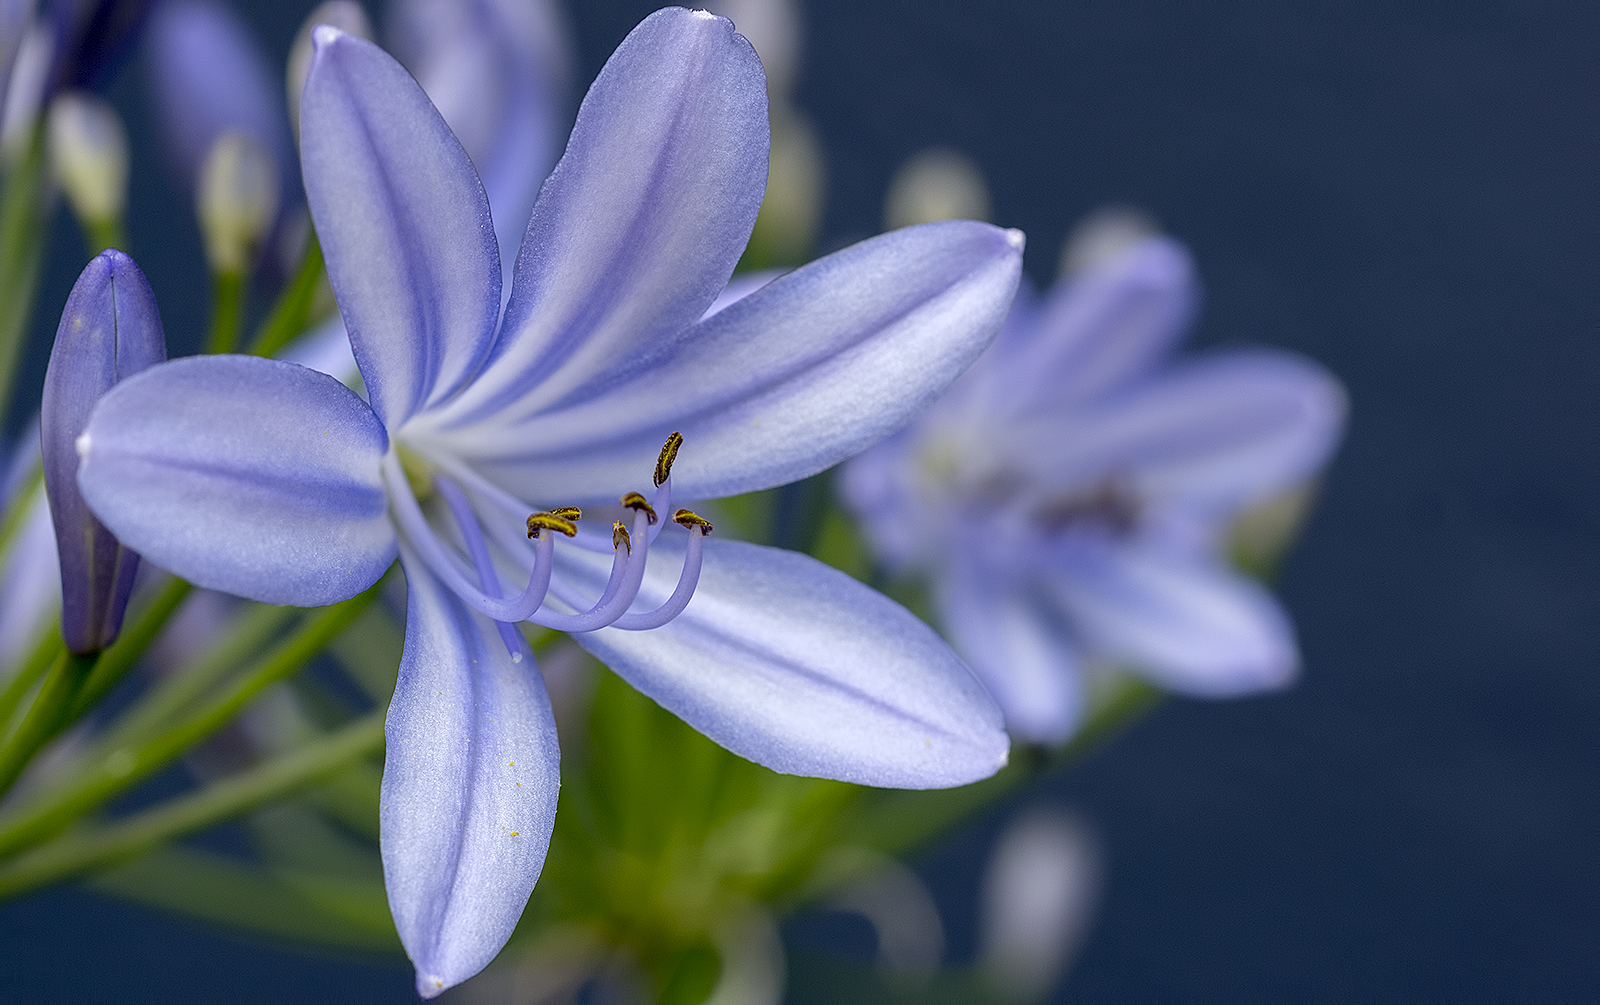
x,y
236,200
110,330
348,17
937,184
89,156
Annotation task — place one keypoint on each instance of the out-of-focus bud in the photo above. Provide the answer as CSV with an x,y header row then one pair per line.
x,y
1039,893
236,200
1105,234
900,908
30,583
936,184
1263,534
348,17
14,16
91,36
773,28
109,331
210,77
30,71
89,157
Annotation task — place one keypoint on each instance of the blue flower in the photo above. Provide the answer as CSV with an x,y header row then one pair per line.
x,y
275,482
1070,496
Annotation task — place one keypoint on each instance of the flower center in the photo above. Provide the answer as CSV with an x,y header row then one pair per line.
x,y
630,546
1111,506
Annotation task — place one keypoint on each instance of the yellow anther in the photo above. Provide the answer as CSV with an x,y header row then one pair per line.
x,y
552,521
634,500
567,512
620,538
692,521
669,453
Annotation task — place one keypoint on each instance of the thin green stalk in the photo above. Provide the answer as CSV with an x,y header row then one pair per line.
x,y
20,505
102,234
123,766
17,688
48,714
136,637
227,311
25,207
291,315
246,635
142,832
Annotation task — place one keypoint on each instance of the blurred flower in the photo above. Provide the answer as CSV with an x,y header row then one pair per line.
x,y
14,17
1039,894
109,331
346,15
30,578
277,483
936,184
236,200
1070,496
903,914
89,156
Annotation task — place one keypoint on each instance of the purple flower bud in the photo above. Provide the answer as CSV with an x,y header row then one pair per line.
x,y
110,330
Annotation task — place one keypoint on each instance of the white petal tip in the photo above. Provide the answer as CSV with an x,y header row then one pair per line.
x,y
429,986
82,445
1016,238
324,34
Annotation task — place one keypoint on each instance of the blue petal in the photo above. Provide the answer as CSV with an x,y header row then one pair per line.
x,y
796,666
404,225
1100,328
1019,646
808,370
1184,620
30,584
210,77
1214,434
497,70
109,330
470,777
242,474
639,226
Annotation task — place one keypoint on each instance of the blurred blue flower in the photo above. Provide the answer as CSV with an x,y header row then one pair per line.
x,y
1070,496
30,581
110,330
275,482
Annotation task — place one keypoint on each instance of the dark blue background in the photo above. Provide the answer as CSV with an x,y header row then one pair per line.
x,y
1409,196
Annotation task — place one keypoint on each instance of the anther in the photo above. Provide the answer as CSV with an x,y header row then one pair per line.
x,y
634,500
620,538
567,512
555,520
669,453
692,521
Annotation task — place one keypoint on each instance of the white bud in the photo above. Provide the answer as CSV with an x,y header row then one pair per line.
x,y
1039,892
1105,234
89,155
936,184
236,200
347,16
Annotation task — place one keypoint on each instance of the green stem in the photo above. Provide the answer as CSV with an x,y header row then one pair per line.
x,y
122,766
38,662
292,313
116,660
102,234
227,311
25,208
142,832
48,714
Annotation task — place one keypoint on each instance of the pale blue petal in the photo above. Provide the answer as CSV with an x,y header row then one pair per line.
x,y
808,370
639,226
245,475
30,584
404,225
498,72
470,777
1100,328
1186,621
794,665
1214,434
1020,648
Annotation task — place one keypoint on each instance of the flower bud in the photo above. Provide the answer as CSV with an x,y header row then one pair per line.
x,y
937,184
110,330
236,200
89,156
348,17
1103,235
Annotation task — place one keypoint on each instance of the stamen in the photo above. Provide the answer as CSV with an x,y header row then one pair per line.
x,y
556,520
669,453
633,500
692,521
627,575
619,536
479,549
688,579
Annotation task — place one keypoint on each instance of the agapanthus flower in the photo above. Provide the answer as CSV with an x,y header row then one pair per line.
x,y
268,480
1069,499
